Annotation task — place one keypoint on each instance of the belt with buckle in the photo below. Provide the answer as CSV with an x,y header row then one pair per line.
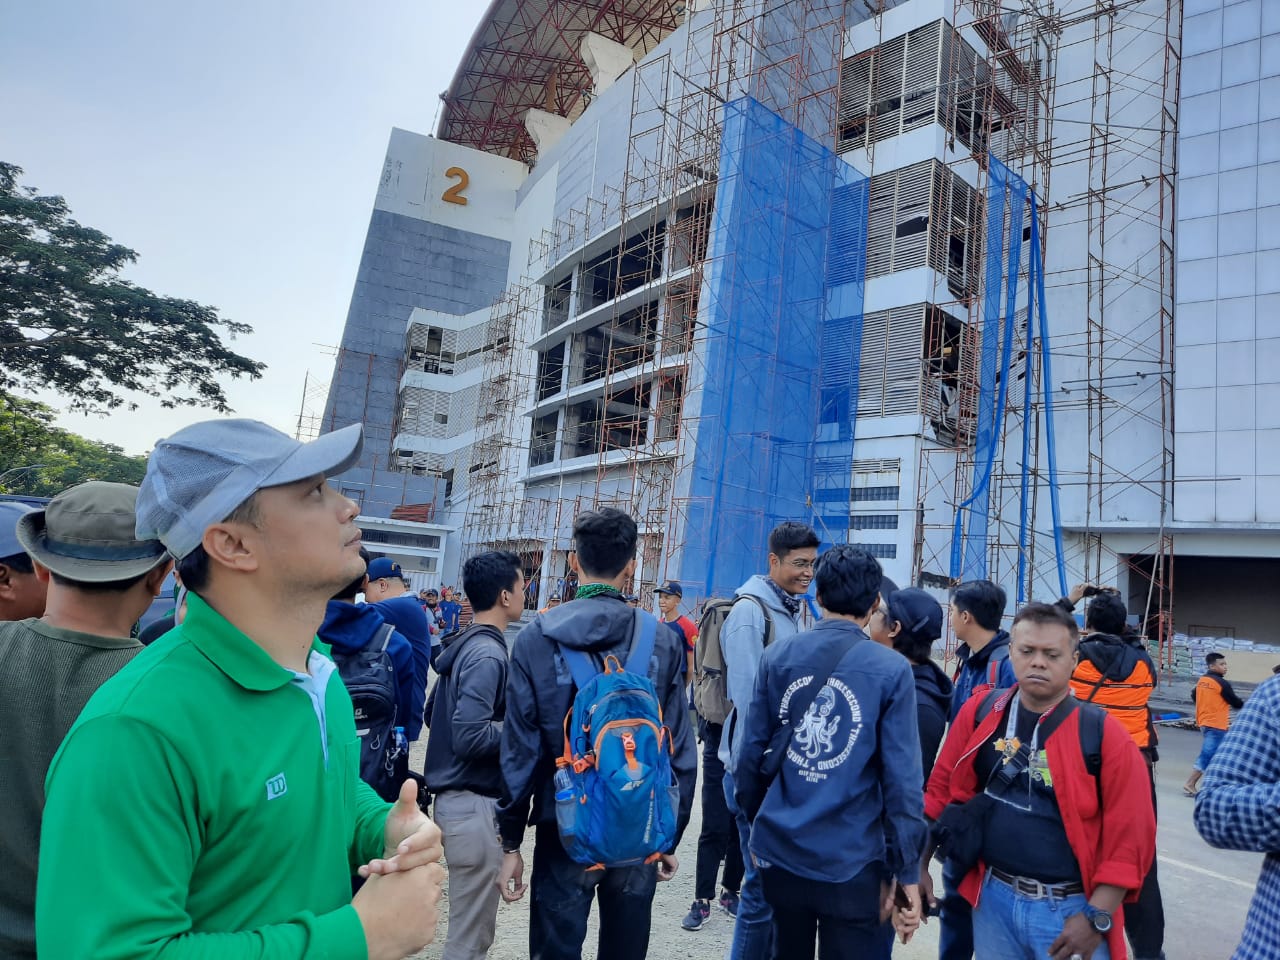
x,y
1037,890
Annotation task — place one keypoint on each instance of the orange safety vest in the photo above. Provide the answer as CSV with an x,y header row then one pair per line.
x,y
1125,699
1212,709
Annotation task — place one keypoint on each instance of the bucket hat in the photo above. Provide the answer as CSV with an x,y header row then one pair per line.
x,y
87,534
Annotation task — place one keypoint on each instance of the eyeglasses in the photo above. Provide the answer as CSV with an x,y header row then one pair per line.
x,y
800,564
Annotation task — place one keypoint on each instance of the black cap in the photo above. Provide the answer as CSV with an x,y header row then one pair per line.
x,y
672,588
917,611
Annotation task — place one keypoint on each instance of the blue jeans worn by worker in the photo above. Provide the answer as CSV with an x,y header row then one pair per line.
x,y
753,928
1008,925
1212,741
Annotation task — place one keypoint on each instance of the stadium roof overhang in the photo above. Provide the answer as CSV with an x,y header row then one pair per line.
x,y
525,54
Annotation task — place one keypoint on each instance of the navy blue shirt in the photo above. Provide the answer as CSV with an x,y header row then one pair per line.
x,y
850,785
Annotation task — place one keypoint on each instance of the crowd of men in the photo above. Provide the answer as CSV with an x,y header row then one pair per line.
x,y
239,785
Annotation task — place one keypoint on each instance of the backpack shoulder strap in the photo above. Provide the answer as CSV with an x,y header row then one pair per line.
x,y
643,633
993,664
385,633
764,610
1091,720
581,666
986,706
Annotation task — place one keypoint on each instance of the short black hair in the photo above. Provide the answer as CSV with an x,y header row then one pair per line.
x,y
1106,613
791,535
1049,614
605,541
848,580
486,575
1211,658
110,586
349,592
983,600
194,567
18,563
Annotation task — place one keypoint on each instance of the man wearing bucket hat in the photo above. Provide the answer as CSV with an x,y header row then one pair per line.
x,y
21,591
100,578
227,811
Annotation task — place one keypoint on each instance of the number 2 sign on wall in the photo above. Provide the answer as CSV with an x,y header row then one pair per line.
x,y
455,193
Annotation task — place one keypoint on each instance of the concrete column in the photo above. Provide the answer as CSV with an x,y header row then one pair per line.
x,y
606,59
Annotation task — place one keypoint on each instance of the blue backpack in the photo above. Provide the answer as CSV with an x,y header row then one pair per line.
x,y
616,798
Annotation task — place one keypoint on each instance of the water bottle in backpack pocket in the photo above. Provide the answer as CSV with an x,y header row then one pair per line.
x,y
616,795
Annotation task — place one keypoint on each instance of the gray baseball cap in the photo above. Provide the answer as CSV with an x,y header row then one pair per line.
x,y
201,474
11,511
86,534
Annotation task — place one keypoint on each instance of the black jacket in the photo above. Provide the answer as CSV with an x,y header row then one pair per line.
x,y
540,692
468,702
933,707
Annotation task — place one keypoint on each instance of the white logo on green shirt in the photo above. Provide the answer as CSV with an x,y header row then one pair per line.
x,y
277,787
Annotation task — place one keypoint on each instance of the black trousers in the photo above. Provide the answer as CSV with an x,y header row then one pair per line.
x,y
843,918
562,892
718,839
1144,919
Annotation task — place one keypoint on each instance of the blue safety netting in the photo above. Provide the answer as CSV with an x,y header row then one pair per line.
x,y
784,281
1008,197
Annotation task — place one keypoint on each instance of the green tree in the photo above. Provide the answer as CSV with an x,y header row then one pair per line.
x,y
70,324
58,458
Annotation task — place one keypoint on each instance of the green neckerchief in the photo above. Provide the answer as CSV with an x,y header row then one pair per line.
x,y
596,590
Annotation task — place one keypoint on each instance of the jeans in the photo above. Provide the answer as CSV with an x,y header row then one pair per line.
x,y
1144,918
561,895
1010,926
719,837
753,929
475,856
844,918
955,934
1212,741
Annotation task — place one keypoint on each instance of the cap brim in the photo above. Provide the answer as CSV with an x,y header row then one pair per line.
x,y
328,454
31,534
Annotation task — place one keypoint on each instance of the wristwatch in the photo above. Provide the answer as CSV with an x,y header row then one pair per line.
x,y
1098,918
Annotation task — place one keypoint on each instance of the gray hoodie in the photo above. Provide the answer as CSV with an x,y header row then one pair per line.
x,y
742,641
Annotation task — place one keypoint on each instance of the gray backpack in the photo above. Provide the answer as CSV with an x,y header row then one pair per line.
x,y
710,690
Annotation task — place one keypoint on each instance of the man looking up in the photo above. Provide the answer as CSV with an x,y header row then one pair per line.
x,y
773,608
21,591
227,811
1215,698
462,752
540,690
100,578
385,589
1069,832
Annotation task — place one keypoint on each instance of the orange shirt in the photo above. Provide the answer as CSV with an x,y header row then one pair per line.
x,y
1212,709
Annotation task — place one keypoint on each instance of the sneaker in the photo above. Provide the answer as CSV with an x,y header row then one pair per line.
x,y
729,903
698,915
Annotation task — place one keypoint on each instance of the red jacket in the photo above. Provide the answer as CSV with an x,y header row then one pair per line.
x,y
1113,845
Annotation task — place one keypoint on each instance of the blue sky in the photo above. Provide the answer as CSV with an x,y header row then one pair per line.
x,y
236,146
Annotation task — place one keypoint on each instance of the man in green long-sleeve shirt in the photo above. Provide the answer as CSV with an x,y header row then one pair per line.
x,y
207,803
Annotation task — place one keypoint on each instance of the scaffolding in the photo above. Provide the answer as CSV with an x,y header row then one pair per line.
x,y
644,256
1118,361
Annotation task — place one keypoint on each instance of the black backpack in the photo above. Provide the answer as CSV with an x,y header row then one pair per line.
x,y
370,678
